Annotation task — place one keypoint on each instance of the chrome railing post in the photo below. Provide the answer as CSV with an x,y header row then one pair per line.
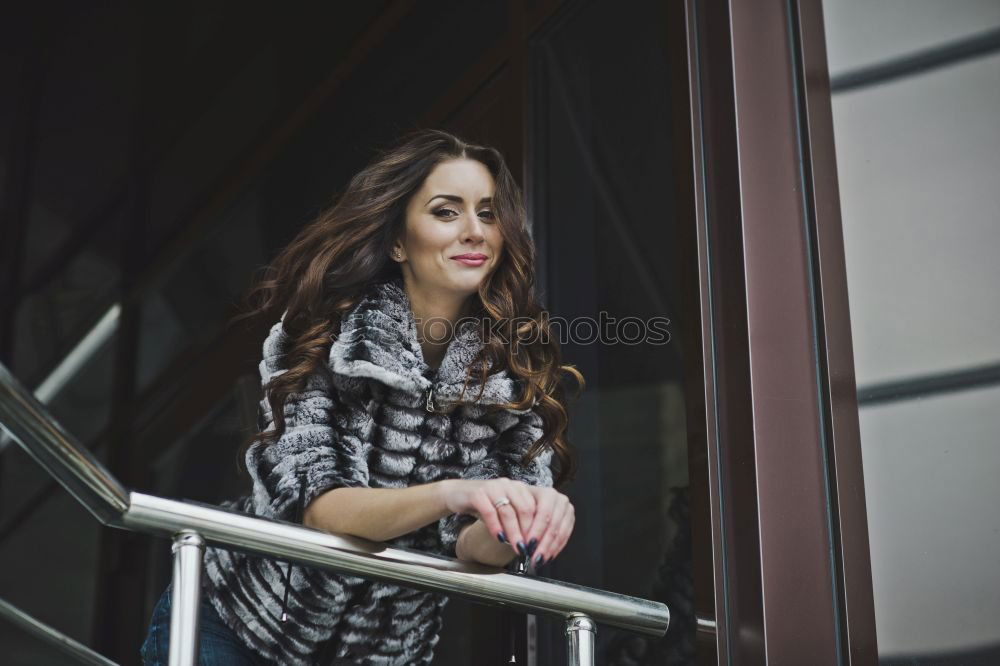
x,y
580,634
185,599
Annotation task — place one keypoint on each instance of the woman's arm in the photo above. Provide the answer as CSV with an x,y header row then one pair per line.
x,y
381,514
378,514
476,544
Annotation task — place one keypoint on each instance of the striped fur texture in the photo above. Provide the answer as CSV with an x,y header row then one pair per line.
x,y
365,424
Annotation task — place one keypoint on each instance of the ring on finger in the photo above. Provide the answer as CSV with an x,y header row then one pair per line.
x,y
500,502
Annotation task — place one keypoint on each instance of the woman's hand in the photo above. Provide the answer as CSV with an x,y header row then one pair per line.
x,y
508,522
538,520
552,524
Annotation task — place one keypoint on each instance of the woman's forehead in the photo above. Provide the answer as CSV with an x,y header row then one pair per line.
x,y
468,179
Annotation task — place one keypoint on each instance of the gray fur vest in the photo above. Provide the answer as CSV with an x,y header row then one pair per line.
x,y
378,420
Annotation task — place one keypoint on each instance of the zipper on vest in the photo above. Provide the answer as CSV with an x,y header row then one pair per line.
x,y
430,399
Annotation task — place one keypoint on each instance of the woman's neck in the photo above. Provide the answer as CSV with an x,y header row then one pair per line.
x,y
435,317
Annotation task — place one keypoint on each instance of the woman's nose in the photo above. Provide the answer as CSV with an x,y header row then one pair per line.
x,y
473,229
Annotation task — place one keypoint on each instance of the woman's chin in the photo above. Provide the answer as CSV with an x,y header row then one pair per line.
x,y
467,280
460,280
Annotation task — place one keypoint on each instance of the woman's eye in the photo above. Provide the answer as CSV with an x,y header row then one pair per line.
x,y
440,212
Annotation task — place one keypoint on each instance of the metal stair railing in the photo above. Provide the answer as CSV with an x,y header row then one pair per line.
x,y
193,525
71,648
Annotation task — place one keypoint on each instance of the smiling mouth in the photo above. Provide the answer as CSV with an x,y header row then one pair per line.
x,y
471,259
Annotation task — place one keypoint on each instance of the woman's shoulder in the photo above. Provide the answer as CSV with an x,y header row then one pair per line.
x,y
274,362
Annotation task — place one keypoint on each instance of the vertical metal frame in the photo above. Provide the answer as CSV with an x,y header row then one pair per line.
x,y
790,535
849,519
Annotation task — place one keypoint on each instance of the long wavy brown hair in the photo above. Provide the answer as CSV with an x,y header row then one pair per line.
x,y
320,275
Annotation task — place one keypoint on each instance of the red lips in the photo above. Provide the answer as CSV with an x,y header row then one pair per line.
x,y
472,259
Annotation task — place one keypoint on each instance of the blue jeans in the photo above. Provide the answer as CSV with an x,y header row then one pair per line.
x,y
217,644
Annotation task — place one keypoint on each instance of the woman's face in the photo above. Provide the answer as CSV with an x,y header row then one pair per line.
x,y
451,239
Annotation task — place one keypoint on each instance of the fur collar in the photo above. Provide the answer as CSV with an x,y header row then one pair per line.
x,y
378,340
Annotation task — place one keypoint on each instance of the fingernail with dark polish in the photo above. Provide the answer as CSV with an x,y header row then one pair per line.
x,y
502,538
539,561
521,549
531,546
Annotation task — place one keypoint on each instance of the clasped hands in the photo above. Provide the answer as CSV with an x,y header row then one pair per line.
x,y
536,523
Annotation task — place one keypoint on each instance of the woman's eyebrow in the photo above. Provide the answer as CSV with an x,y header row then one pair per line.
x,y
457,199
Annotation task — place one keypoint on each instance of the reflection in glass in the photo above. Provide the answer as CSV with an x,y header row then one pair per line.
x,y
603,215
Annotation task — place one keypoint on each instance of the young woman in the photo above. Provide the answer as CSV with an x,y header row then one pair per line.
x,y
430,420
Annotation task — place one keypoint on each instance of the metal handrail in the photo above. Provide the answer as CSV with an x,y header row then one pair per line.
x,y
58,452
86,479
404,566
71,364
61,641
